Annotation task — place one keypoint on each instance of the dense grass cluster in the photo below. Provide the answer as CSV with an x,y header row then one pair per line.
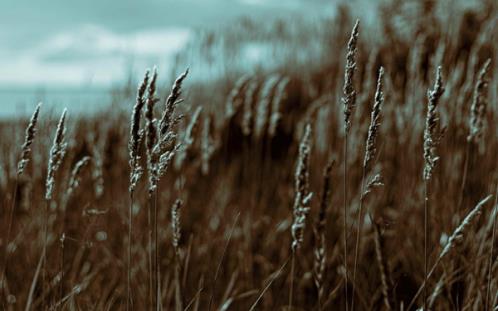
x,y
361,180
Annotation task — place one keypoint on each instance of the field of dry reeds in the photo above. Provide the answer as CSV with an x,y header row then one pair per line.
x,y
364,178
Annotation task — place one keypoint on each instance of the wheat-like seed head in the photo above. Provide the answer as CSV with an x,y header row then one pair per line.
x,y
161,148
97,167
319,263
374,182
206,145
326,195
479,105
192,126
437,291
150,122
175,223
28,140
349,98
302,195
319,250
151,129
263,106
383,267
234,101
279,97
374,121
457,236
57,153
188,138
74,180
431,137
167,119
248,114
136,134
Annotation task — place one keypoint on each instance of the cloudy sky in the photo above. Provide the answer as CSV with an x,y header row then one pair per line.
x,y
95,42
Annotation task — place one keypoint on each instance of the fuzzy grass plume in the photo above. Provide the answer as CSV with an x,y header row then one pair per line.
x,y
188,138
135,173
349,103
383,266
431,135
207,145
302,201
370,150
349,98
263,108
164,149
431,139
56,156
276,115
150,122
479,105
168,119
371,147
175,224
302,194
74,180
28,141
136,134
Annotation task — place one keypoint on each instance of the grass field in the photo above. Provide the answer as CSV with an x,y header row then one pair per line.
x,y
358,173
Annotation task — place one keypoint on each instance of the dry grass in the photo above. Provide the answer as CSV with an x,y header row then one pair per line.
x,y
99,227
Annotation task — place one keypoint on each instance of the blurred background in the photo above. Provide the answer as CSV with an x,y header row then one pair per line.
x,y
73,53
79,54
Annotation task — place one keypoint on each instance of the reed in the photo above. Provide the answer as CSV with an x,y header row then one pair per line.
x,y
28,141
349,103
477,120
135,173
302,201
161,148
431,139
370,151
57,153
150,141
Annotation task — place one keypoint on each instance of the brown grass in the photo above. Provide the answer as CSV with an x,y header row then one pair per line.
x,y
111,241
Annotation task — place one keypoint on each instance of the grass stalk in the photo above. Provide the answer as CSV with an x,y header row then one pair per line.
x,y
129,295
358,234
345,223
150,254
218,268
156,254
468,150
44,252
277,274
291,289
426,235
491,251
